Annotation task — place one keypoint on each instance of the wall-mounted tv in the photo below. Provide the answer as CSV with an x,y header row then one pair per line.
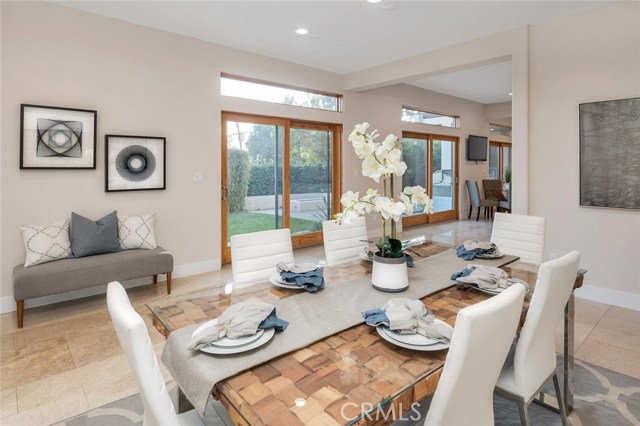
x,y
477,148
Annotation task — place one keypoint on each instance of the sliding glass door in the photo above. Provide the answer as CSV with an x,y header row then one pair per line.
x,y
278,173
432,162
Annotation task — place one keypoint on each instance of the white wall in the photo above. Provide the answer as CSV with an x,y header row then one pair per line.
x,y
148,82
590,57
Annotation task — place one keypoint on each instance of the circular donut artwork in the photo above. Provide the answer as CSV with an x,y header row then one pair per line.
x,y
135,163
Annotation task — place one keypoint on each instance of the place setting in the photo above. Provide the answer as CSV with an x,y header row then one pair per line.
x,y
242,327
472,249
409,324
486,279
305,276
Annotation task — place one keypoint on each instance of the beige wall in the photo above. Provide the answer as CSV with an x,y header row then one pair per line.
x,y
148,82
381,107
594,56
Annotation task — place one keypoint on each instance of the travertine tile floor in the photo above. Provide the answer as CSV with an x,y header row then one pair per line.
x,y
67,359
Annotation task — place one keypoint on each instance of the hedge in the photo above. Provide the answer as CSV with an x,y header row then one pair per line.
x,y
304,179
238,176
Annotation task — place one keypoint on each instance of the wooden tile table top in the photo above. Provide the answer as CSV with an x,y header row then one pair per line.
x,y
330,381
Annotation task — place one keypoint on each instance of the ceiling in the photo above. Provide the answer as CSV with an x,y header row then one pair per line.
x,y
344,36
487,84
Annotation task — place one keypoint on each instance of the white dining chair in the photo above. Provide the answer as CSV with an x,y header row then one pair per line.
x,y
481,340
520,235
533,359
344,242
254,256
136,344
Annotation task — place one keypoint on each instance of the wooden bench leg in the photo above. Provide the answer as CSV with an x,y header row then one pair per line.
x,y
168,282
20,312
155,279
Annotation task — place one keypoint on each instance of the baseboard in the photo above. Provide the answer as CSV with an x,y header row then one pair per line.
x,y
8,304
610,297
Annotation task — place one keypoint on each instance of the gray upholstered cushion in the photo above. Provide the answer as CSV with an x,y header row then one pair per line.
x,y
73,274
90,237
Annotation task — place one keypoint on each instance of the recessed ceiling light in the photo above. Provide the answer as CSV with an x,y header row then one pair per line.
x,y
302,31
374,1
300,402
510,93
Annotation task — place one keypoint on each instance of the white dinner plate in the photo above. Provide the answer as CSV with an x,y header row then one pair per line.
x,y
413,339
498,254
227,342
383,332
262,339
277,280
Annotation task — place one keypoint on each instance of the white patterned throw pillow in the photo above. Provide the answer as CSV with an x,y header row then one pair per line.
x,y
46,243
137,232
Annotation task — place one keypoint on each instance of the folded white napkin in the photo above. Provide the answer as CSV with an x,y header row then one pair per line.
x,y
477,244
408,316
486,277
241,319
296,269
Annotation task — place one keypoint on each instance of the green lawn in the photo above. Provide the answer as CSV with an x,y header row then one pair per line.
x,y
245,222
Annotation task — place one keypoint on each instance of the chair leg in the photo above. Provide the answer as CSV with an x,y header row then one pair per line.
x,y
168,282
524,413
478,216
470,210
20,312
563,412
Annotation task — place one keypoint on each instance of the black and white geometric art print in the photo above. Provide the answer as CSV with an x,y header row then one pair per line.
x,y
135,163
57,138
610,154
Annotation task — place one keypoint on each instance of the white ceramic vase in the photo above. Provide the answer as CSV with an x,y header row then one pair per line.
x,y
390,274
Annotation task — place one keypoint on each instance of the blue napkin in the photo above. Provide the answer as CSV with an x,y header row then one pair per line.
x,y
312,281
272,321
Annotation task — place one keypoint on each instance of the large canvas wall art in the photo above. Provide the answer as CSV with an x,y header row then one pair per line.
x,y
57,138
610,154
135,163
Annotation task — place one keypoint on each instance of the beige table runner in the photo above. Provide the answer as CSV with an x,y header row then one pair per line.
x,y
312,317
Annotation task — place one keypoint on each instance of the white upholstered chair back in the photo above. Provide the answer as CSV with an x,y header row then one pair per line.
x,y
134,338
254,256
343,243
535,355
520,235
481,340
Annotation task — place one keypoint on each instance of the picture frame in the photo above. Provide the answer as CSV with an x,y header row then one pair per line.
x,y
57,137
135,163
610,153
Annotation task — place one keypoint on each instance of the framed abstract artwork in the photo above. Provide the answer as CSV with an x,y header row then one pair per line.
x,y
135,163
57,138
610,154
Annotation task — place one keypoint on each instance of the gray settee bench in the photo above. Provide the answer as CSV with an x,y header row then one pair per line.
x,y
66,275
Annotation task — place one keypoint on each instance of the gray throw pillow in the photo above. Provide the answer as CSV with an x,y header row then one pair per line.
x,y
89,237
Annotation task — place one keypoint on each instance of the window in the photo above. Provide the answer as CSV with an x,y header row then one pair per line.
x,y
433,118
496,129
278,173
257,90
500,161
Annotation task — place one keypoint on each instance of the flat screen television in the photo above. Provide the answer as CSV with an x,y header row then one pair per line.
x,y
477,148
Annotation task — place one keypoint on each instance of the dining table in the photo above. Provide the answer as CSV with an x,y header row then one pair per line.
x,y
349,377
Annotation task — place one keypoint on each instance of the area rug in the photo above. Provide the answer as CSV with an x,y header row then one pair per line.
x,y
602,398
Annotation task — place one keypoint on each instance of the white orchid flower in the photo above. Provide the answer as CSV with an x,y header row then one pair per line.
x,y
372,168
409,206
389,142
349,199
